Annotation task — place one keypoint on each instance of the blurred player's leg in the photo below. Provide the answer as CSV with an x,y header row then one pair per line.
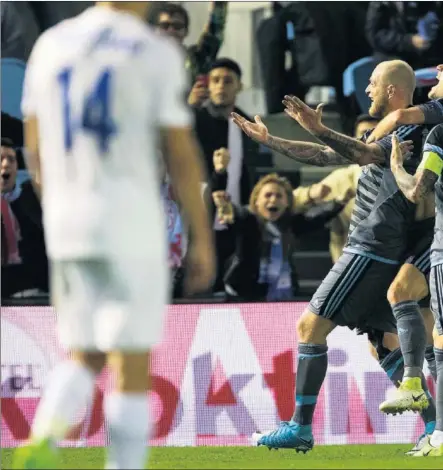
x,y
128,330
127,412
70,386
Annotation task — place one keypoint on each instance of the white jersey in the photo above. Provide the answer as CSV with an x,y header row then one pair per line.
x,y
101,86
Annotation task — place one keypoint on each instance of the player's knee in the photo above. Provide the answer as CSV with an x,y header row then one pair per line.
x,y
409,284
390,341
94,361
438,339
132,369
312,328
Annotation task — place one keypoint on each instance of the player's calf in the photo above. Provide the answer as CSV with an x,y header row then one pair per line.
x,y
408,287
312,331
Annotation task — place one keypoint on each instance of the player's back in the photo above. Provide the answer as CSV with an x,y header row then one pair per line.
x,y
95,84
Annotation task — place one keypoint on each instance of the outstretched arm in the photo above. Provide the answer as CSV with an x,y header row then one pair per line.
x,y
352,149
304,152
415,187
427,113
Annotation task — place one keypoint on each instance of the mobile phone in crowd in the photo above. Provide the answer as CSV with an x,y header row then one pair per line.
x,y
203,79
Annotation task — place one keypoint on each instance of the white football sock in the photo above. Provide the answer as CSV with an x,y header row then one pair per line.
x,y
437,438
127,416
69,388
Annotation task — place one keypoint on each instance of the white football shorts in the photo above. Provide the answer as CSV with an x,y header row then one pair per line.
x,y
110,305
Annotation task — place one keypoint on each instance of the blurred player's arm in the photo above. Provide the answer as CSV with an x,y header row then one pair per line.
x,y
185,168
32,157
417,187
184,164
427,113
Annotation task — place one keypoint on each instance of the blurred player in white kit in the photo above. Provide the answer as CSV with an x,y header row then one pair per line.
x,y
100,92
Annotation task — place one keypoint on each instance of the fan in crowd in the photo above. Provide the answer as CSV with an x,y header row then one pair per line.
x,y
23,254
266,234
173,20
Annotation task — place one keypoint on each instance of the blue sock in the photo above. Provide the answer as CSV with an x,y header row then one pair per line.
x,y
311,372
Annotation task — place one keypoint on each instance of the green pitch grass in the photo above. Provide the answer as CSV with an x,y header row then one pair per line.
x,y
371,456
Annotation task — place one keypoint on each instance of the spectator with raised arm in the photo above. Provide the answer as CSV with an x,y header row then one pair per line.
x,y
173,20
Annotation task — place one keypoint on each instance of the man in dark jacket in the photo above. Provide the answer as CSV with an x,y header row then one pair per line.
x,y
411,31
217,134
215,131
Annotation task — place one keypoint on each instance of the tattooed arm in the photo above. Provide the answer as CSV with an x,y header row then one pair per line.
x,y
306,152
352,149
415,187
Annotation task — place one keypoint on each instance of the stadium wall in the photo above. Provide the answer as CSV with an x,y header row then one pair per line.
x,y
221,373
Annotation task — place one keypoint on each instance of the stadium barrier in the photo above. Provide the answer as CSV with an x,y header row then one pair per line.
x,y
221,373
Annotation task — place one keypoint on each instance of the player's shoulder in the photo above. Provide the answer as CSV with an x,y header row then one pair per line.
x,y
413,132
52,36
435,136
165,48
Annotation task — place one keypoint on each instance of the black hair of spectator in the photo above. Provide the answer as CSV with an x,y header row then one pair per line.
x,y
226,63
7,143
172,9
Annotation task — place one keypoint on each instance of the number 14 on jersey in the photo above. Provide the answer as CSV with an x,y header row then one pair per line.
x,y
95,117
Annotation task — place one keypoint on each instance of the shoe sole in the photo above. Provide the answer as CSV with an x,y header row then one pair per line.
x,y
298,449
394,410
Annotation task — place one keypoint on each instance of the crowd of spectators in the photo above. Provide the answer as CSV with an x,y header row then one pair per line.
x,y
257,221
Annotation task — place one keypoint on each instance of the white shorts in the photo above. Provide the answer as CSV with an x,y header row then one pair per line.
x,y
108,305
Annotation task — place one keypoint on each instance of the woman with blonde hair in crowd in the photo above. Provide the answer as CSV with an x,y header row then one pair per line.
x,y
266,233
